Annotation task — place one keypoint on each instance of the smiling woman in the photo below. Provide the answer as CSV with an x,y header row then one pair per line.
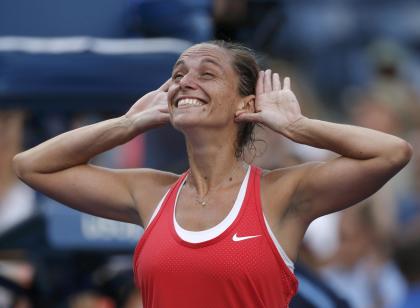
x,y
212,63
222,234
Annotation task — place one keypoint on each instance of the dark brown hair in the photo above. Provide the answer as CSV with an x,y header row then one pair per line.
x,y
244,63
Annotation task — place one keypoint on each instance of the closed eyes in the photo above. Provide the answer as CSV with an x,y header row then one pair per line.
x,y
177,76
206,75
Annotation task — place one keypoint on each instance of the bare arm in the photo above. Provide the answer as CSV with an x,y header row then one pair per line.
x,y
368,158
59,167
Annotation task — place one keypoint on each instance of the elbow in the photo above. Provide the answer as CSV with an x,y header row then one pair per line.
x,y
400,154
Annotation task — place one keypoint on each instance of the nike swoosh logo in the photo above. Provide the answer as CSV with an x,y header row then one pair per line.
x,y
237,238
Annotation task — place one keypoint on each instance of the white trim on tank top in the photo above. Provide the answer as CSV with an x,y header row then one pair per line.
x,y
195,237
185,234
156,211
289,263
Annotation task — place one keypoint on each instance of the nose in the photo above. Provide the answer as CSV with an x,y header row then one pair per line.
x,y
188,81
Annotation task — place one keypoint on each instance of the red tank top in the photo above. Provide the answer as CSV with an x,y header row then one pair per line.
x,y
239,268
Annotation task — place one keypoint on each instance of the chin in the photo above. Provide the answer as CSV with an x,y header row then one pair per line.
x,y
184,122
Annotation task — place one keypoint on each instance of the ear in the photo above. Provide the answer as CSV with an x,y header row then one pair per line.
x,y
247,104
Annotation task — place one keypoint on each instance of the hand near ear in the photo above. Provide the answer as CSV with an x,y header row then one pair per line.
x,y
276,107
152,108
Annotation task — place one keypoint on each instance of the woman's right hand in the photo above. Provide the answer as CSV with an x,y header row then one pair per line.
x,y
151,110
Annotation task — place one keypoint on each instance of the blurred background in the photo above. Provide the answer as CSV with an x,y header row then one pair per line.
x,y
64,64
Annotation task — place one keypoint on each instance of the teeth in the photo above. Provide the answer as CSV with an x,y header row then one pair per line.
x,y
189,102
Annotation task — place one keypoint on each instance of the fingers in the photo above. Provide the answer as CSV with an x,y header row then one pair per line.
x,y
268,81
161,120
244,116
163,109
165,86
260,83
286,83
276,82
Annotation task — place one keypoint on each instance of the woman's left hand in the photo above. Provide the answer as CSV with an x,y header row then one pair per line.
x,y
275,106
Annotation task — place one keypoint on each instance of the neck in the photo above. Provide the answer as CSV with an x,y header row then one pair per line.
x,y
212,162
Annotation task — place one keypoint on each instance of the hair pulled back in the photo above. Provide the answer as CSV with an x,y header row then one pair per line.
x,y
245,65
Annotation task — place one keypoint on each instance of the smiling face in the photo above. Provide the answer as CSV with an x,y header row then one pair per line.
x,y
204,90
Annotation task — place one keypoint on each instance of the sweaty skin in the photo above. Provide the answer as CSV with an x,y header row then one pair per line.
x,y
205,85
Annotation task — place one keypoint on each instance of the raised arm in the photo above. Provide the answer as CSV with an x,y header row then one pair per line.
x,y
368,158
60,166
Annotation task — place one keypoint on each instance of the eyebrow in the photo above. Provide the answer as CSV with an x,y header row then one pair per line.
x,y
211,61
178,63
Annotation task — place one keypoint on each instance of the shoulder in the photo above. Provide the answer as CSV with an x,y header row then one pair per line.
x,y
293,173
154,176
149,182
279,187
148,186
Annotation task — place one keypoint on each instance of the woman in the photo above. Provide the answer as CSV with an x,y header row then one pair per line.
x,y
223,234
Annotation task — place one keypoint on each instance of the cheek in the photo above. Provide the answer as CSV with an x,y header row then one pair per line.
x,y
171,92
231,101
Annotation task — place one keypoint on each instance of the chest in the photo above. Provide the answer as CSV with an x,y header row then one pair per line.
x,y
226,259
230,250
192,215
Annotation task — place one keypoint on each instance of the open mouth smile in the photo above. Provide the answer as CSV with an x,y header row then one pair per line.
x,y
188,102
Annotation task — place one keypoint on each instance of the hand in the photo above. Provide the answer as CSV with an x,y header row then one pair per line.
x,y
275,107
151,110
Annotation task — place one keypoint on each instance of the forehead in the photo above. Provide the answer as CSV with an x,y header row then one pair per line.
x,y
207,52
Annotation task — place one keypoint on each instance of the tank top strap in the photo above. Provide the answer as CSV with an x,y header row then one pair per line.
x,y
274,243
166,201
